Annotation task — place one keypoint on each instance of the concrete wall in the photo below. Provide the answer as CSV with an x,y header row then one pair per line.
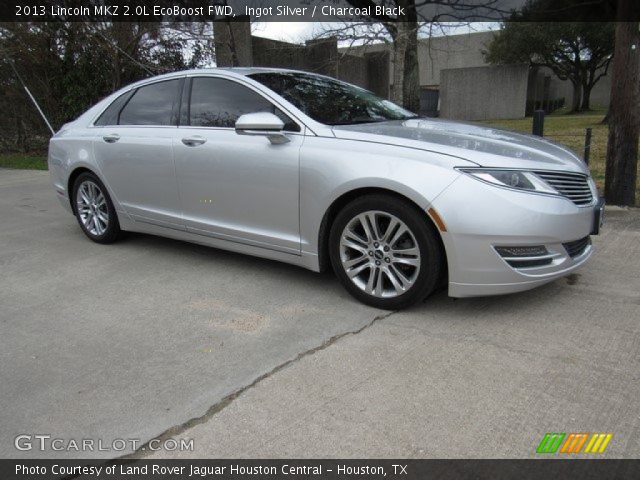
x,y
321,56
482,93
269,53
370,71
600,95
454,51
353,69
378,73
437,54
543,92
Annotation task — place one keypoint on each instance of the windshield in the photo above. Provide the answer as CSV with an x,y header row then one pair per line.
x,y
330,101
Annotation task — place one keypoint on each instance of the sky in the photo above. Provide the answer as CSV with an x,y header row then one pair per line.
x,y
298,32
286,31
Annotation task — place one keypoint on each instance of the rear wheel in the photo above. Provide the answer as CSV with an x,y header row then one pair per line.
x,y
94,209
385,251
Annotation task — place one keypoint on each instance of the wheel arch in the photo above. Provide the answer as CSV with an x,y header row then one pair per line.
x,y
73,176
340,202
79,170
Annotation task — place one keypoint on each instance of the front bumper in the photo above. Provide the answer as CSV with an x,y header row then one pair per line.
x,y
481,217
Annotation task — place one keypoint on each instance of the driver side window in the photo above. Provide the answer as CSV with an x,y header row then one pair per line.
x,y
216,102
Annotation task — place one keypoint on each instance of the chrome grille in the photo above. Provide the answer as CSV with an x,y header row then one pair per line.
x,y
574,186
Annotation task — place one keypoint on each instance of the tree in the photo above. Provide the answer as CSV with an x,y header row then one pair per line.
x,y
59,61
576,51
624,112
403,29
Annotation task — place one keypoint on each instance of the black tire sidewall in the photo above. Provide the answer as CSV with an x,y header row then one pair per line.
x,y
428,243
113,229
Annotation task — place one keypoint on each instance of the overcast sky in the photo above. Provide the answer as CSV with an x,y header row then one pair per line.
x,y
301,31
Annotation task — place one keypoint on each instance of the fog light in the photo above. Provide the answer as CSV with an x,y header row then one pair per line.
x,y
534,251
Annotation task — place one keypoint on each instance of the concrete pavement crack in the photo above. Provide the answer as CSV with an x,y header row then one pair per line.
x,y
143,450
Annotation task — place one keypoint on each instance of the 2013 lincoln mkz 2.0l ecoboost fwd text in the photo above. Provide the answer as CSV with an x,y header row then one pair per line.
x,y
312,171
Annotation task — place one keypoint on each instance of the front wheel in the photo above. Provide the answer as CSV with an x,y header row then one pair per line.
x,y
385,252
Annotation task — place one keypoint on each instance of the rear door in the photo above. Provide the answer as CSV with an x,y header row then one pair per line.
x,y
236,187
135,154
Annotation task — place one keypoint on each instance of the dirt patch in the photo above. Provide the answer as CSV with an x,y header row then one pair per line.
x,y
573,279
230,317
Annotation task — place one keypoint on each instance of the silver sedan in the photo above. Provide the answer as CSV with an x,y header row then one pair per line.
x,y
312,171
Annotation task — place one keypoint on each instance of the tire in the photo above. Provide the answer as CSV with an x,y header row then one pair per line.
x,y
94,209
406,265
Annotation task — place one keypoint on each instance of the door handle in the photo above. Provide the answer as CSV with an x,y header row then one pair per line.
x,y
113,138
194,141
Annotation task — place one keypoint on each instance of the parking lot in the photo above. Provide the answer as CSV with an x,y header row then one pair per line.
x,y
251,358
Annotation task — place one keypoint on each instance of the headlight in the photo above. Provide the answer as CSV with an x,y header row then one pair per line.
x,y
516,179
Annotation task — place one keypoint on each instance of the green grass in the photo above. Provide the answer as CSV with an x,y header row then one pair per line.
x,y
569,129
23,161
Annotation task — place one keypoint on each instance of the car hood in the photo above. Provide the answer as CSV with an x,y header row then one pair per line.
x,y
484,146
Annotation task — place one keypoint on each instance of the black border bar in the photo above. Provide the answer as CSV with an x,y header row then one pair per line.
x,y
296,469
309,10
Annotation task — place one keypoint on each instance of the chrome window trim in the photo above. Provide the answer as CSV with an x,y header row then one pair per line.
x,y
304,128
127,90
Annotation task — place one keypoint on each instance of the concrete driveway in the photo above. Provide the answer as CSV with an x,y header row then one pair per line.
x,y
250,358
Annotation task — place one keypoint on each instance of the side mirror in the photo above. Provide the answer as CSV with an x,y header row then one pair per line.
x,y
263,124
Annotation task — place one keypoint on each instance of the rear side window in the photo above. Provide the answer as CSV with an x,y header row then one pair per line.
x,y
110,115
155,104
216,102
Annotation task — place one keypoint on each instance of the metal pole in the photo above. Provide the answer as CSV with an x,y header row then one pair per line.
x,y
538,123
587,145
26,89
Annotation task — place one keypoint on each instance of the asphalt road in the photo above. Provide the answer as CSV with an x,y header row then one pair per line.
x,y
250,358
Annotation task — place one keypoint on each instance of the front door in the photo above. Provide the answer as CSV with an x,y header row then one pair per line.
x,y
233,187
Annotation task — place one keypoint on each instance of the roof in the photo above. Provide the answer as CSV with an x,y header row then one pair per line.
x,y
235,70
238,70
252,70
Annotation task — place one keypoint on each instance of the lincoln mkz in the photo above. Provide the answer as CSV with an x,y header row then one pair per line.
x,y
308,170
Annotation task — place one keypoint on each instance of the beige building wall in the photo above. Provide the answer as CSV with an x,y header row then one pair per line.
x,y
437,53
465,51
484,93
455,51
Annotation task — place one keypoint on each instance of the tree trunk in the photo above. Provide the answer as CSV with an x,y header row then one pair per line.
x,y
586,98
399,54
624,120
411,83
577,93
21,141
225,44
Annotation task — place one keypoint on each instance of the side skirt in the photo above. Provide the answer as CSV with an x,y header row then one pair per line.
x,y
305,260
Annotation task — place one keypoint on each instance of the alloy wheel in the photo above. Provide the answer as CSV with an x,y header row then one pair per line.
x,y
92,208
380,254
